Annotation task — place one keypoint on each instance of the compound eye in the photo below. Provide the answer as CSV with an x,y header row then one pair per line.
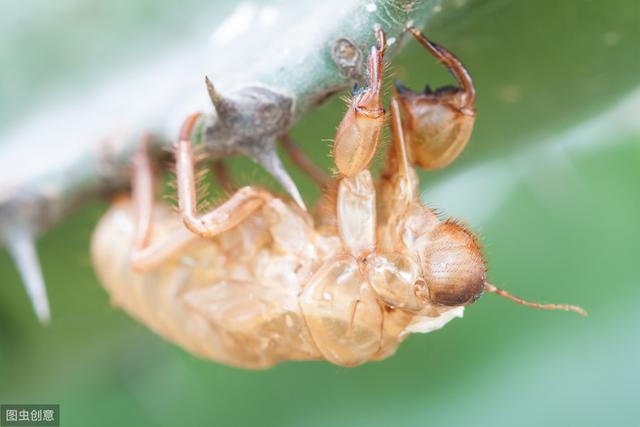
x,y
453,266
456,293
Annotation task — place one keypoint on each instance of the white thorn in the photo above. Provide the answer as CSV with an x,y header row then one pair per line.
x,y
271,162
291,188
21,246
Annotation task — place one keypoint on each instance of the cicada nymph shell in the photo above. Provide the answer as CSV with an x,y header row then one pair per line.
x,y
240,299
257,280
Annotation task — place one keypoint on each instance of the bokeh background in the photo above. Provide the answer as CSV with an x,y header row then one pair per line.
x,y
550,181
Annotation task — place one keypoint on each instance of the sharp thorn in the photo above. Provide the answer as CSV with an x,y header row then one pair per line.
x,y
269,160
213,94
219,103
22,248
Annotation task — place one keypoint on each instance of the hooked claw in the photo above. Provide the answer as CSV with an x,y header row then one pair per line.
x,y
358,135
451,62
370,101
438,124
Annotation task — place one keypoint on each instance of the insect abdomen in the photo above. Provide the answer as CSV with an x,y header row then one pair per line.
x,y
180,299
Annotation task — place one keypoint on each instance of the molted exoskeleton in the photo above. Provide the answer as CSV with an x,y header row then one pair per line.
x,y
256,280
438,124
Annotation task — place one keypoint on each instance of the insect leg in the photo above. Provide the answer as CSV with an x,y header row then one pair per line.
x,y
398,165
438,124
301,160
400,206
239,206
142,193
399,182
356,214
146,255
356,141
453,64
359,131
155,253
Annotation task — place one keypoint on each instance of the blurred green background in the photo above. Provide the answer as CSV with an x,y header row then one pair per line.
x,y
549,181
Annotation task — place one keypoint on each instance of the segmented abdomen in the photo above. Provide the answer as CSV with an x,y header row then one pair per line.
x,y
239,301
198,299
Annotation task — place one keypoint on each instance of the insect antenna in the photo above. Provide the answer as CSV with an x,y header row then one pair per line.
x,y
488,287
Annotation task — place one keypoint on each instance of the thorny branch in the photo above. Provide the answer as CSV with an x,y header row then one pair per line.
x,y
266,76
